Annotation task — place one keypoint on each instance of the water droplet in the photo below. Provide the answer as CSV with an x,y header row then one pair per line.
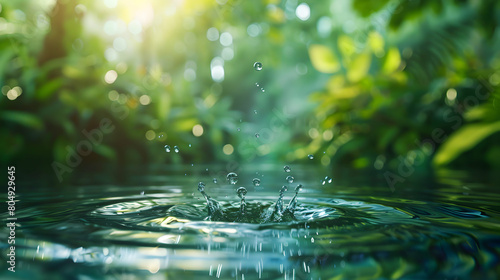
x,y
238,129
232,178
255,112
256,182
201,186
287,168
310,156
189,145
241,191
262,89
206,169
167,148
160,136
257,85
257,66
298,188
328,179
290,179
257,135
215,180
176,149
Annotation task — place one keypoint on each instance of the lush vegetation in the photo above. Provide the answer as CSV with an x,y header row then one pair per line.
x,y
357,84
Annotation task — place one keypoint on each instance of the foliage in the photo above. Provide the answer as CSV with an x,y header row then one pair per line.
x,y
391,92
352,83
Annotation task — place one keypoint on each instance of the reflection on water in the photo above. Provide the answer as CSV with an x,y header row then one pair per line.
x,y
340,231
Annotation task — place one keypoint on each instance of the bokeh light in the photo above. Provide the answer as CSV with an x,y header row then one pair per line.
x,y
303,12
228,149
110,76
198,130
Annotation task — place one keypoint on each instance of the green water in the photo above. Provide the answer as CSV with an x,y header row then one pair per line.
x,y
354,227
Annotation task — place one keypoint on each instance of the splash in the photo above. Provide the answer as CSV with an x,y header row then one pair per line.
x,y
215,211
251,212
241,194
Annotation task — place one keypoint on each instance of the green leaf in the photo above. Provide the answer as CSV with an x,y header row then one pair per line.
x,y
162,105
359,67
392,61
477,113
22,118
323,59
361,162
346,45
5,58
376,43
367,8
463,140
49,88
105,151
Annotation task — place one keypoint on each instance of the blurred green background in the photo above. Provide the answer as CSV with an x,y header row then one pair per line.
x,y
367,85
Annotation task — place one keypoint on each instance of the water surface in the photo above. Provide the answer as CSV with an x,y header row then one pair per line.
x,y
350,228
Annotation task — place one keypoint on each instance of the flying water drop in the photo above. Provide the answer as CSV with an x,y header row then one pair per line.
x,y
167,148
326,180
256,182
176,149
215,180
201,186
310,156
257,66
241,192
232,178
290,179
257,135
287,168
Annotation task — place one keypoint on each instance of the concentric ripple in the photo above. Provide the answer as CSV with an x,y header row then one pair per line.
x,y
330,236
184,214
